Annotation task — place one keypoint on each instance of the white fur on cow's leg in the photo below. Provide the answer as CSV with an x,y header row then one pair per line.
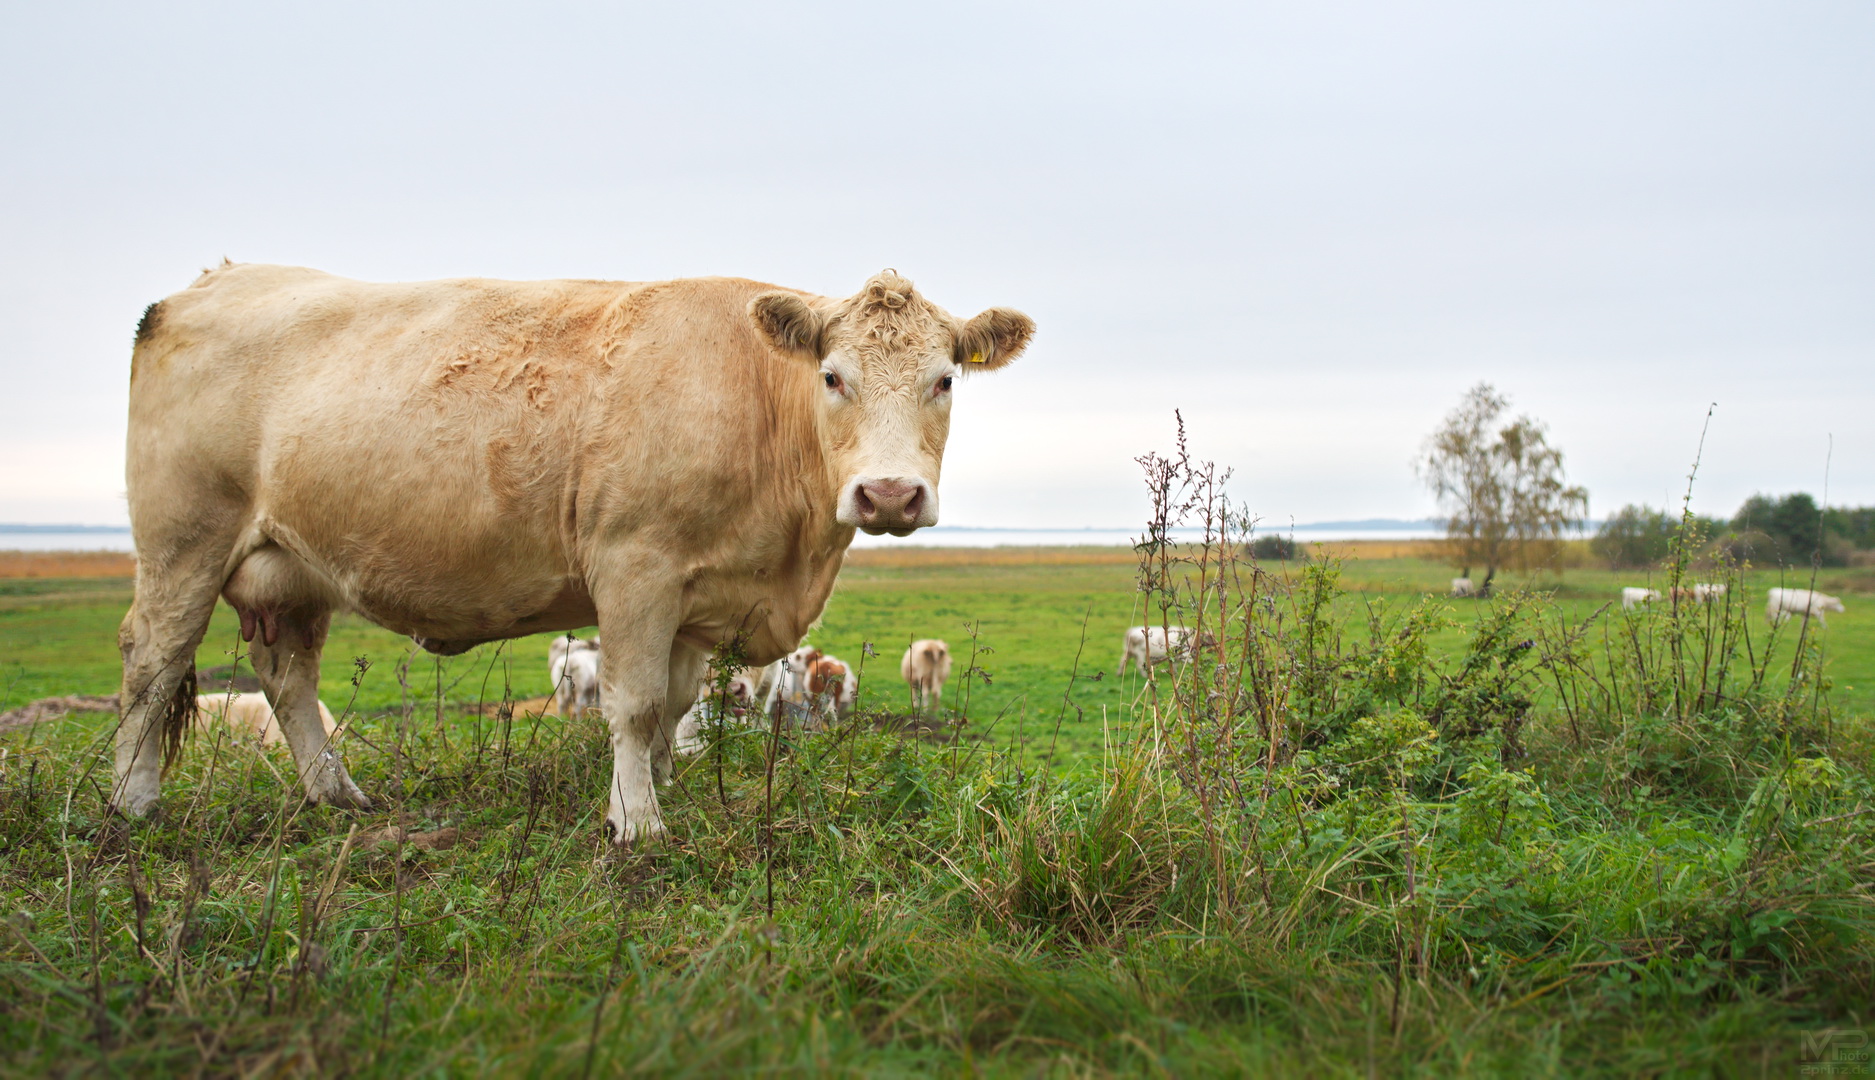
x,y
157,638
638,621
289,672
633,812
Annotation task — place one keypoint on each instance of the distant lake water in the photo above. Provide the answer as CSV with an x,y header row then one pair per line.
x,y
28,538
943,536
22,538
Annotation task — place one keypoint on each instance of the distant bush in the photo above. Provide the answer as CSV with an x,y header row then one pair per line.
x,y
1275,548
1789,531
1634,536
1854,524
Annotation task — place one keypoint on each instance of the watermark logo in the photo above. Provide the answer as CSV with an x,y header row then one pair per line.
x,y
1834,1052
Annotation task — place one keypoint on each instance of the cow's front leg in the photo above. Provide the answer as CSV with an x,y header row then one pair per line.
x,y
638,622
685,683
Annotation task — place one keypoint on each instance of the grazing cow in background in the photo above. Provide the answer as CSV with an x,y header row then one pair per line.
x,y
1462,588
1699,593
1781,604
1633,596
573,664
1148,645
681,463
250,716
926,668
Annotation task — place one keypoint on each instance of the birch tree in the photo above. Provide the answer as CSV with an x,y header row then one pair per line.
x,y
1500,486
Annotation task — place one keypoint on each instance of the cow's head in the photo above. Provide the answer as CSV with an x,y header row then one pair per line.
x,y
887,361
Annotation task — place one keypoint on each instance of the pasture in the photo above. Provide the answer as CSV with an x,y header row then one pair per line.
x,y
1514,836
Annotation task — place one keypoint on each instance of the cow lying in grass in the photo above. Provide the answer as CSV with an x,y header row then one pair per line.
x,y
739,700
249,716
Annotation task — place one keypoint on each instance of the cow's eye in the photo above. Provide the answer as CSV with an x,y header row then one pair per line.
x,y
944,384
832,380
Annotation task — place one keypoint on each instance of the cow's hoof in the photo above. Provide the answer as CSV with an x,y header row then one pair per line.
x,y
345,796
643,832
134,804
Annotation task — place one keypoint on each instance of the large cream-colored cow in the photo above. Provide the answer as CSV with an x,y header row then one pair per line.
x,y
470,460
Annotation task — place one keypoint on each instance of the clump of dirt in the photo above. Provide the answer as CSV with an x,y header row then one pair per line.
x,y
56,708
918,727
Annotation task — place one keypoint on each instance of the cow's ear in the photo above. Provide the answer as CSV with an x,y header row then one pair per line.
x,y
789,323
993,339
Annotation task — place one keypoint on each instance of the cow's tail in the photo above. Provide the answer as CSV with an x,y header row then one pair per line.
x,y
178,715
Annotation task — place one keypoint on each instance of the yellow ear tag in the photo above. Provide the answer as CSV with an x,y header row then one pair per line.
x,y
976,358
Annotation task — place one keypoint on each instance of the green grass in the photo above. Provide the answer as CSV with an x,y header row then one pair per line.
x,y
1641,894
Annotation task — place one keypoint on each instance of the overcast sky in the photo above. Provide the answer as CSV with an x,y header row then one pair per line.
x,y
1309,226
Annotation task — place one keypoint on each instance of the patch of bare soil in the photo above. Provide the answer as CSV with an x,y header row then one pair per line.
x,y
919,727
55,708
67,564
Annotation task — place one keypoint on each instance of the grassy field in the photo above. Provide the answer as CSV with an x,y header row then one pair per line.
x,y
1040,617
1416,852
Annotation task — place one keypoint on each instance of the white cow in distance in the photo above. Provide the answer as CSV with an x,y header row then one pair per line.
x,y
573,664
1781,604
1633,596
1145,646
1463,588
926,668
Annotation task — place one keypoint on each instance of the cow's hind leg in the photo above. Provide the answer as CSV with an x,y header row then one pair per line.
x,y
175,597
288,669
285,611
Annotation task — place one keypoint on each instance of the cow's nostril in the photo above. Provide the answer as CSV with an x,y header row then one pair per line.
x,y
888,504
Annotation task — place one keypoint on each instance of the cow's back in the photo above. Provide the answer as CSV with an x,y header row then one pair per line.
x,y
447,453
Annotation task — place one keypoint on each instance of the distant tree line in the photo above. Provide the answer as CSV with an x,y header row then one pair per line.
x,y
1787,531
